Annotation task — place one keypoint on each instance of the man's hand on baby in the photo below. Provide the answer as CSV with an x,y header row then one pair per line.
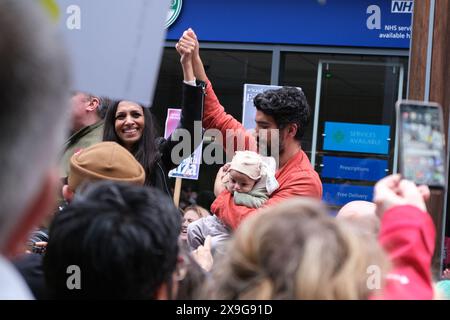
x,y
229,187
225,178
226,167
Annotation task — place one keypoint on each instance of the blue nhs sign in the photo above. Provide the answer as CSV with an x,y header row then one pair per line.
x,y
405,6
356,137
354,23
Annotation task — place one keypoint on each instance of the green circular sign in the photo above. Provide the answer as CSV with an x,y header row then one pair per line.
x,y
52,8
174,12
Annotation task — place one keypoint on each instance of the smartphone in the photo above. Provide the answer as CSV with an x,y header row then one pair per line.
x,y
421,142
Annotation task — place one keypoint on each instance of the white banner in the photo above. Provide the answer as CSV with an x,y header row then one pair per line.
x,y
115,45
189,168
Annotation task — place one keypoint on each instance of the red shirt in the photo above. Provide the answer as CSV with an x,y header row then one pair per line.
x,y
296,178
408,236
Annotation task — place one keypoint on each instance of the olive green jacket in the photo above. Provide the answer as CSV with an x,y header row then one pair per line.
x,y
82,139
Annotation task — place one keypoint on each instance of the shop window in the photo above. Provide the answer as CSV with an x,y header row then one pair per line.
x,y
356,123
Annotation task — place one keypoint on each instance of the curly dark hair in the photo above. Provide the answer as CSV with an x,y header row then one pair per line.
x,y
286,105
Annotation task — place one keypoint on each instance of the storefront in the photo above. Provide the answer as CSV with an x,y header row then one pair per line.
x,y
350,57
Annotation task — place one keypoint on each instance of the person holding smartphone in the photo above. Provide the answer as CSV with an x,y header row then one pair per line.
x,y
421,142
408,235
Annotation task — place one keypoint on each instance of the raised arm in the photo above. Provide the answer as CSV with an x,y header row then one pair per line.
x,y
192,110
185,48
408,235
199,68
214,116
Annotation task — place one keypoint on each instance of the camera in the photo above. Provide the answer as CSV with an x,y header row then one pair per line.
x,y
39,235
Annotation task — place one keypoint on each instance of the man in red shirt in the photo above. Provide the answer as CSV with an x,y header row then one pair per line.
x,y
287,111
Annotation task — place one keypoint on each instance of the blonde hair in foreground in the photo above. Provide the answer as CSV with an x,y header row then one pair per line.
x,y
295,250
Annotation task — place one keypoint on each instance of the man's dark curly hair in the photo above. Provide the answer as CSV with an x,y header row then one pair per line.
x,y
286,105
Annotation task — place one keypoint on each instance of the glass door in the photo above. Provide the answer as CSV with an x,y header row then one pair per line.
x,y
354,127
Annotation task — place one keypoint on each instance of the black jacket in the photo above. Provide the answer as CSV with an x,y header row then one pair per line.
x,y
192,110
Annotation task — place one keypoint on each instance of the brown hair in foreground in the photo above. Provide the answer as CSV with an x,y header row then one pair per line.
x,y
295,250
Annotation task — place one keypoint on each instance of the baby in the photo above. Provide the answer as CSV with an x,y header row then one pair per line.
x,y
251,179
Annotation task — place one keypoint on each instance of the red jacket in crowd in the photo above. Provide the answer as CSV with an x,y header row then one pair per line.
x,y
408,236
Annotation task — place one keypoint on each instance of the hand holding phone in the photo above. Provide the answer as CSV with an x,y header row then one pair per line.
x,y
394,191
421,142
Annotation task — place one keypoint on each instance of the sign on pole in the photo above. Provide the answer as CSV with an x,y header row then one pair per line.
x,y
115,46
189,168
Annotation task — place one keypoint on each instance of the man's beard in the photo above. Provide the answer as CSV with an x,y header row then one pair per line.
x,y
267,151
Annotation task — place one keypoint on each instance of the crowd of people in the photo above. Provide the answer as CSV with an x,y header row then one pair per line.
x,y
263,234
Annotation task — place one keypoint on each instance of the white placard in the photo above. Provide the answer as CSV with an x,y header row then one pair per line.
x,y
248,108
115,45
189,168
